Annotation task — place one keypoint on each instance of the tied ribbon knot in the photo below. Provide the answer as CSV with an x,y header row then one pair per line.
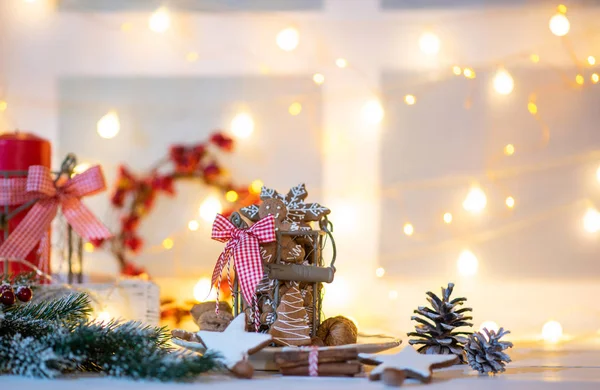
x,y
244,246
50,197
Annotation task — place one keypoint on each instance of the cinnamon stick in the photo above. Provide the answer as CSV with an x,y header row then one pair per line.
x,y
300,358
326,369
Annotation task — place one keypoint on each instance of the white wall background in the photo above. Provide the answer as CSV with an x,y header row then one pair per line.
x,y
40,46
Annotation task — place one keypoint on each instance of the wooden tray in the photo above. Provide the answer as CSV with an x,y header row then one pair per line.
x,y
264,360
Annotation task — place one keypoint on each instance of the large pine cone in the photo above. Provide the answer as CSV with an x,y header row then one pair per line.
x,y
485,354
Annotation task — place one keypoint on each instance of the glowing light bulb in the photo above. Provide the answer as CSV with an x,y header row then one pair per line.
x,y
372,112
109,125
193,225
160,20
88,247
341,63
559,25
456,70
469,73
318,78
242,125
103,317
295,108
256,186
503,82
552,331
561,9
591,221
409,229
579,79
410,99
595,78
591,60
393,295
509,149
429,43
467,263
448,218
231,196
192,56
210,208
288,39
81,167
475,201
510,202
489,325
168,243
534,58
532,108
379,272
3,105
203,290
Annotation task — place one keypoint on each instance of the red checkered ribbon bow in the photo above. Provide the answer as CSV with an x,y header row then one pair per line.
x,y
243,245
49,198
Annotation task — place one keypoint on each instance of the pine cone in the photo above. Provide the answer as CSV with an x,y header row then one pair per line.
x,y
436,329
485,353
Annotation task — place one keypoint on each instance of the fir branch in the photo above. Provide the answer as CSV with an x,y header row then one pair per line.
x,y
69,309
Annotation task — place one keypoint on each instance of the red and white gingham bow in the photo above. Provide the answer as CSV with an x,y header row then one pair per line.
x,y
243,245
49,197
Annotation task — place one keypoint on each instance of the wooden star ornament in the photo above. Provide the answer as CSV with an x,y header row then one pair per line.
x,y
234,345
408,363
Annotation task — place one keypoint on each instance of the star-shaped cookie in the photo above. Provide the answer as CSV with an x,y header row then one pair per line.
x,y
406,363
234,345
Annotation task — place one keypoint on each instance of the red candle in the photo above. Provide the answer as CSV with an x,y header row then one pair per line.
x,y
18,151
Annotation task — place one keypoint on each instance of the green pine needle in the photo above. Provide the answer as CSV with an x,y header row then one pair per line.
x,y
69,309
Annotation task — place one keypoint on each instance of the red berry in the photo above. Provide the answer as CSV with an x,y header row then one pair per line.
x,y
7,298
24,294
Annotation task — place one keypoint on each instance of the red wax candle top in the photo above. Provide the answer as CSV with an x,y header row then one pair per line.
x,y
18,151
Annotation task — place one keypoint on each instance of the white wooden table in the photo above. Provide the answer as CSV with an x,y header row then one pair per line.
x,y
530,370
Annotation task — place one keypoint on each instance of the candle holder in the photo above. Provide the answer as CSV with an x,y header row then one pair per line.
x,y
74,248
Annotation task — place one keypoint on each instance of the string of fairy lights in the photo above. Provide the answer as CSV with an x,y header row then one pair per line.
x,y
242,126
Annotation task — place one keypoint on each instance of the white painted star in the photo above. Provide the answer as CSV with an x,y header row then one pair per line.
x,y
234,344
414,363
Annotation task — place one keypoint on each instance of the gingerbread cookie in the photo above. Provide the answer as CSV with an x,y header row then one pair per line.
x,y
205,317
291,326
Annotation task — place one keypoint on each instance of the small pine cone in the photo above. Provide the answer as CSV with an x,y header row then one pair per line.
x,y
484,354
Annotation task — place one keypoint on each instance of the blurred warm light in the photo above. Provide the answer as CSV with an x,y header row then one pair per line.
x,y
160,20
429,43
469,73
509,149
579,79
475,200
456,70
410,99
598,174
559,25
591,221
591,60
210,208
103,317
510,202
561,9
295,108
126,27
595,78
256,186
489,325
409,229
467,263
447,218
192,56
337,294
534,58
372,112
109,125
552,331
532,107
503,82
341,63
168,243
379,272
3,105
88,247
231,196
203,290
193,225
81,167
318,78
288,39
393,294
30,1
242,125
